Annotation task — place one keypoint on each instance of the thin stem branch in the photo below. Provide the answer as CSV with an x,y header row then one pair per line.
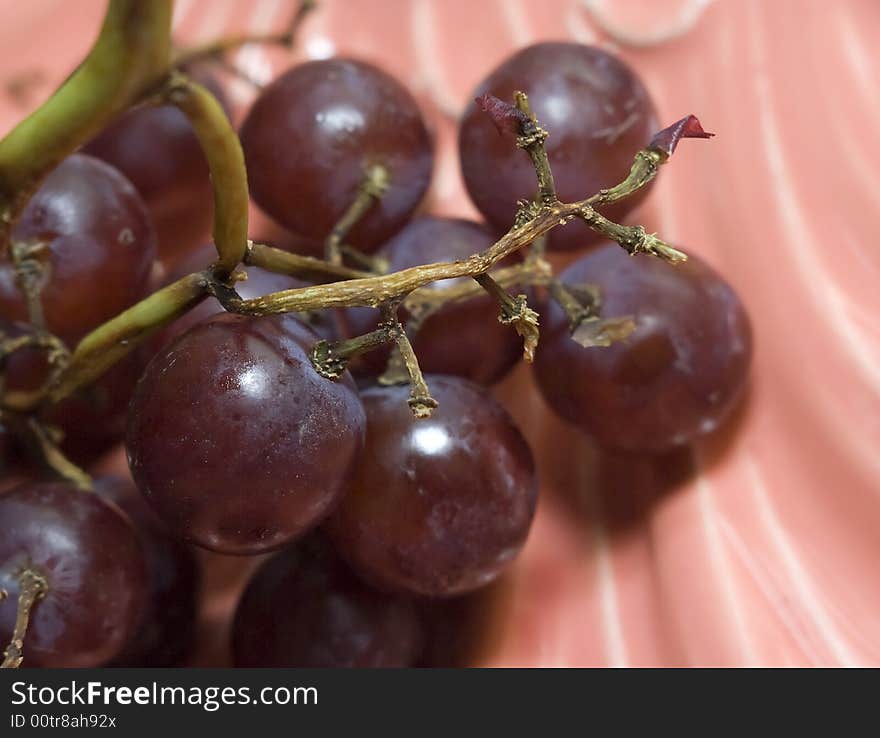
x,y
372,264
420,401
644,168
527,273
514,311
28,278
576,307
634,239
222,149
372,187
33,587
219,47
331,358
532,141
582,305
104,346
57,356
45,447
304,267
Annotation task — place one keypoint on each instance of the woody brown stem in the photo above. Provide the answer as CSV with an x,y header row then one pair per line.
x,y
33,587
218,47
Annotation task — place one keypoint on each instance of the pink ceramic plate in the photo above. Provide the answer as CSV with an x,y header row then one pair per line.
x,y
768,553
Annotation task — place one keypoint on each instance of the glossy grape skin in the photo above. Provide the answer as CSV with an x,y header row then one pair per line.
x,y
156,148
309,136
438,506
677,377
236,441
94,567
304,608
598,114
259,282
101,247
167,630
465,338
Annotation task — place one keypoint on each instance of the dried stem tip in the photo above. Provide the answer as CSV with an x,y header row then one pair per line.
x,y
688,127
507,118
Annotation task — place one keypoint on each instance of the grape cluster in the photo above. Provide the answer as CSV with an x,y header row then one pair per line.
x,y
237,444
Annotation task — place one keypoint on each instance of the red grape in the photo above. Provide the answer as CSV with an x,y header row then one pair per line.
x,y
156,148
312,132
675,378
101,247
94,567
236,441
438,506
463,338
304,608
463,631
598,114
166,634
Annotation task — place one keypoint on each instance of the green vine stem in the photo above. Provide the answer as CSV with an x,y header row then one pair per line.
x,y
110,342
225,157
130,56
107,344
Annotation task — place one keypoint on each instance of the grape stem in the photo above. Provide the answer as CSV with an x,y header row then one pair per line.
x,y
131,55
28,277
222,149
305,267
44,445
531,140
331,358
421,304
527,273
57,356
372,264
219,47
578,303
582,304
515,311
370,191
113,340
375,290
33,588
420,401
